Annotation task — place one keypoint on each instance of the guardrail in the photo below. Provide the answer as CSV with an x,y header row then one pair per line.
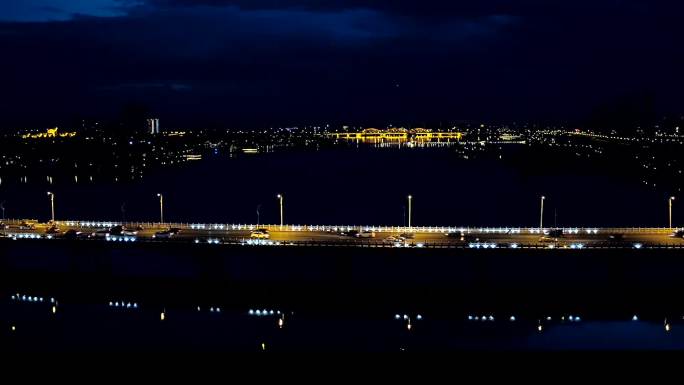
x,y
338,228
248,242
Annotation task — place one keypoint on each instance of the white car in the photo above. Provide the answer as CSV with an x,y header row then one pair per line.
x,y
260,234
366,234
394,239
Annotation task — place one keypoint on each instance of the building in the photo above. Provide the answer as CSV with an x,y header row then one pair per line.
x,y
153,126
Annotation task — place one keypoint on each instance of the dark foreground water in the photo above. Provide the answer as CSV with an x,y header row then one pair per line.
x,y
335,298
361,186
88,327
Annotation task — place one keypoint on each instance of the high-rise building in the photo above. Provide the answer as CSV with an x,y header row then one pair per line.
x,y
153,126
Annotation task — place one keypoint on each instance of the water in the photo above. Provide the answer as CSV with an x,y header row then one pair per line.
x,y
359,186
100,327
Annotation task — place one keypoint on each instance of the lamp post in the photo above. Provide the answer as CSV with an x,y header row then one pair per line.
x,y
52,204
670,209
410,198
541,214
161,208
280,198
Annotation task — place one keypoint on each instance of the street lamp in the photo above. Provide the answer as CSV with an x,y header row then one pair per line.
x,y
280,198
52,204
541,214
670,209
161,208
410,198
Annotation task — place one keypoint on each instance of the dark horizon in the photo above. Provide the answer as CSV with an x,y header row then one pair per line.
x,y
232,63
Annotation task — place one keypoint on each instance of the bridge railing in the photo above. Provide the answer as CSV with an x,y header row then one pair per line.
x,y
364,243
382,228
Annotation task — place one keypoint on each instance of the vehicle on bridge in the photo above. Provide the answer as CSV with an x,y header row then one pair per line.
x,y
27,226
122,230
463,237
73,234
365,234
100,234
554,233
166,234
678,234
53,229
260,234
3,226
616,237
551,235
349,233
394,239
407,235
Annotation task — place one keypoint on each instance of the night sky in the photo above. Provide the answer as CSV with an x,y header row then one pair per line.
x,y
232,63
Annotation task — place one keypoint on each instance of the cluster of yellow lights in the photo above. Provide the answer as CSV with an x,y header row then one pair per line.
x,y
396,134
50,133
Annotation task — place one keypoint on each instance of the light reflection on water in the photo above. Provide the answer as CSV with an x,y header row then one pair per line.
x,y
78,326
352,187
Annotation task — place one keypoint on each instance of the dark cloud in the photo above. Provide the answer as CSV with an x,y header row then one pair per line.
x,y
252,62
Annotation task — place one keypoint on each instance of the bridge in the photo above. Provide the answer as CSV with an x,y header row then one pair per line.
x,y
571,238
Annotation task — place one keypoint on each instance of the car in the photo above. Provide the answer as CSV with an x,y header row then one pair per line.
x,y
395,239
3,226
365,234
122,230
463,237
350,233
163,234
27,226
74,234
546,238
175,230
677,234
616,237
53,229
407,235
554,233
260,234
100,234
116,230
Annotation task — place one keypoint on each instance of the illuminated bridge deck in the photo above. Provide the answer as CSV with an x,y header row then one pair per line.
x,y
572,238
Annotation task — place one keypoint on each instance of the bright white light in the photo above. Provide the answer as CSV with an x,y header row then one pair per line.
x,y
637,245
635,318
